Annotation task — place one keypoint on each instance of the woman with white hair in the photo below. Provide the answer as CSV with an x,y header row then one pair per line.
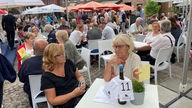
x,y
51,38
123,47
136,28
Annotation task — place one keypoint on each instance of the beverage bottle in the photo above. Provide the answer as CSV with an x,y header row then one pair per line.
x,y
121,76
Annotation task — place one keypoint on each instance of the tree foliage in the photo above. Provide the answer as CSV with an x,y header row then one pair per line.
x,y
151,8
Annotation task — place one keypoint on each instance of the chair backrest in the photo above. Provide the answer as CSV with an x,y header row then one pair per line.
x,y
35,84
105,45
163,55
93,44
85,53
181,40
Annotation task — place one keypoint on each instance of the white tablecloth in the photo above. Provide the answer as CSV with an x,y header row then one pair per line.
x,y
150,101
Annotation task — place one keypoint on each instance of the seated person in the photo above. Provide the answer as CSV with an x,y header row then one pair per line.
x,y
32,66
64,26
107,31
94,33
38,35
123,47
77,37
150,37
71,52
21,33
28,48
165,40
51,38
175,29
136,28
61,79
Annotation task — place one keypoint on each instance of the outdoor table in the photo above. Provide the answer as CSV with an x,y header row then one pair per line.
x,y
139,44
150,100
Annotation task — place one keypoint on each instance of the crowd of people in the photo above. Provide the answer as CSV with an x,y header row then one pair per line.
x,y
56,56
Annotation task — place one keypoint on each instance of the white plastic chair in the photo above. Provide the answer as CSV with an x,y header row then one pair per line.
x,y
104,45
35,84
162,61
93,44
85,53
180,44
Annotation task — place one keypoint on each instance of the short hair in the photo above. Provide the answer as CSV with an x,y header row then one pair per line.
x,y
95,25
48,27
49,55
35,28
165,26
156,23
124,39
139,18
62,34
39,46
29,35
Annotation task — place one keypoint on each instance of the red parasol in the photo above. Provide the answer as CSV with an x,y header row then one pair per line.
x,y
126,7
2,12
92,5
113,5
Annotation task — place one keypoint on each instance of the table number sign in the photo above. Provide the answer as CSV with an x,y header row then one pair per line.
x,y
118,88
125,90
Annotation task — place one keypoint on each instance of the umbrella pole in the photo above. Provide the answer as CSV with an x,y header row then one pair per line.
x,y
183,84
67,12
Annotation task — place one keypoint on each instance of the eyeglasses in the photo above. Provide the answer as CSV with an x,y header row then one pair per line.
x,y
118,46
60,54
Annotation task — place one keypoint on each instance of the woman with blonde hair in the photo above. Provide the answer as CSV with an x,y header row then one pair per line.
x,y
61,78
77,36
25,50
123,47
38,35
70,49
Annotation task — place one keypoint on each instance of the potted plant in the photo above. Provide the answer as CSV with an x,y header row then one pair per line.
x,y
138,91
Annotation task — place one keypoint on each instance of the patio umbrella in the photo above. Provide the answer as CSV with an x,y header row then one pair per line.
x,y
2,12
112,5
51,8
92,5
18,3
126,7
35,10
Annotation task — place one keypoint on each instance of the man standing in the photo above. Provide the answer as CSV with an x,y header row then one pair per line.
x,y
9,25
32,65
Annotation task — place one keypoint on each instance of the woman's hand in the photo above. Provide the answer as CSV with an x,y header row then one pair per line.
x,y
79,91
116,60
136,74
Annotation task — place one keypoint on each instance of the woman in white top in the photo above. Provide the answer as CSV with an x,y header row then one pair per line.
x,y
77,35
150,37
123,47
